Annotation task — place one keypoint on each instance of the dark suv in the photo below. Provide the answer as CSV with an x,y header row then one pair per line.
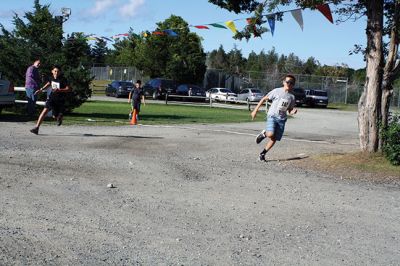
x,y
157,88
299,95
119,88
317,98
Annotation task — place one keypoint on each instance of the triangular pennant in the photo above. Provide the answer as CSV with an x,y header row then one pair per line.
x,y
202,27
171,33
120,35
326,11
271,22
231,25
105,38
298,17
158,33
217,25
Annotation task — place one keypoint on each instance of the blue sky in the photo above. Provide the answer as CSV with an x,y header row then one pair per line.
x,y
328,43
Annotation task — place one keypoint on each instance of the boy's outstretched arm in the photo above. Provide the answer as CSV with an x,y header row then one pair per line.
x,y
254,113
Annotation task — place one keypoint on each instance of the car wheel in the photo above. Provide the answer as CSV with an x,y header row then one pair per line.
x,y
1,109
116,95
155,95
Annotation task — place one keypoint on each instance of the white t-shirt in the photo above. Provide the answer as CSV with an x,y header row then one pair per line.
x,y
281,102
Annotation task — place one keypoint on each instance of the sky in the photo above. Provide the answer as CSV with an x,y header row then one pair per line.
x,y
328,43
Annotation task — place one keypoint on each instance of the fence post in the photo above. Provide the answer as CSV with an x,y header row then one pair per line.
x,y
210,100
248,104
166,98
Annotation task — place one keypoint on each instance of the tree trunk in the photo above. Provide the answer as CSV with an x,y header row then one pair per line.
x,y
369,105
391,71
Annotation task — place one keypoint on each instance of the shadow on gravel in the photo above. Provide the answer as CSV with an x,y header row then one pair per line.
x,y
103,136
288,159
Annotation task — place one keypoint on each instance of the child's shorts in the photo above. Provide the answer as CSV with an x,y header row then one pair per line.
x,y
276,126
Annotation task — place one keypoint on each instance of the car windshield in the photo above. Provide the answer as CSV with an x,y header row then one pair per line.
x,y
298,90
126,84
168,83
320,93
255,91
225,90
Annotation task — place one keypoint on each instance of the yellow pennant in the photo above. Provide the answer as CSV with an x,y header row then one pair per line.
x,y
231,25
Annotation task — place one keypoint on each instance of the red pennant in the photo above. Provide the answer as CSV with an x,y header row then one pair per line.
x,y
158,33
202,27
326,11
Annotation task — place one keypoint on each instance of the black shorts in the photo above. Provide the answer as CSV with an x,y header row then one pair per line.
x,y
136,105
56,105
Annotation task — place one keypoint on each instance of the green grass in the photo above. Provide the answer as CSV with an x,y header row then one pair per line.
x,y
116,113
365,162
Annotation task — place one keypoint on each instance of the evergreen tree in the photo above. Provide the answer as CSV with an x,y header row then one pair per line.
x,y
99,52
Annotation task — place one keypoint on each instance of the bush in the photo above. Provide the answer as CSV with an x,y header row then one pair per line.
x,y
391,140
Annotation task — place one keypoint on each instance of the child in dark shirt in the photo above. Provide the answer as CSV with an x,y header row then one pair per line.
x,y
55,99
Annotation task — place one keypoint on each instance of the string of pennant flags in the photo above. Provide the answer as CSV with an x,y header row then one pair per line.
x,y
230,24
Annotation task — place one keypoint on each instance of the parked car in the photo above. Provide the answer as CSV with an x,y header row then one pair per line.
x,y
119,88
316,98
7,95
299,95
250,94
191,90
221,94
158,87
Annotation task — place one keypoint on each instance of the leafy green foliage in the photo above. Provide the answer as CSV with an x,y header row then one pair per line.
x,y
40,36
99,52
391,140
180,58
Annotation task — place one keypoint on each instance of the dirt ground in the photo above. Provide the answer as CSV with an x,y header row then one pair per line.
x,y
190,195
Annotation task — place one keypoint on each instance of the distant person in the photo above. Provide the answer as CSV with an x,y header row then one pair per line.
x,y
58,86
32,84
136,97
283,102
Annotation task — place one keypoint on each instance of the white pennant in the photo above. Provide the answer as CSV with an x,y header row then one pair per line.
x,y
298,17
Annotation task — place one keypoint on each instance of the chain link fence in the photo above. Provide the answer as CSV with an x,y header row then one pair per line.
x,y
339,89
116,73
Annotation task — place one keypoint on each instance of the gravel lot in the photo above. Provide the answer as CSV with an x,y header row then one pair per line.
x,y
189,195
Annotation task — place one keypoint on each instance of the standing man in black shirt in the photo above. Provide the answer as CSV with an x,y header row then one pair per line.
x,y
55,99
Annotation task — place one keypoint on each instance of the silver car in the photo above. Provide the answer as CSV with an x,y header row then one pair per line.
x,y
221,94
250,94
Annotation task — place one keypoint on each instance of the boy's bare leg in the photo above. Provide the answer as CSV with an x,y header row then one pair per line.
x,y
41,117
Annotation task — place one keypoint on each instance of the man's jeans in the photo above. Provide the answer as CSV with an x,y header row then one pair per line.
x,y
32,98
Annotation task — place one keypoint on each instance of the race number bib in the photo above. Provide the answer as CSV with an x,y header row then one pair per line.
x,y
283,105
55,85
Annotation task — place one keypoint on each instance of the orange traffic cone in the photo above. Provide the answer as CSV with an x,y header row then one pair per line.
x,y
134,117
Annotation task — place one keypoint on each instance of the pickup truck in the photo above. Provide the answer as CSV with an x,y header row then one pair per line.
x,y
7,95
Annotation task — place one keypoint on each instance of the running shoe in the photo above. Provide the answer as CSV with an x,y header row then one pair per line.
x,y
260,137
261,157
59,120
35,130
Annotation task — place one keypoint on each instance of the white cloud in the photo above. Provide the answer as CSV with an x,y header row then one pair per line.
x,y
131,9
102,6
